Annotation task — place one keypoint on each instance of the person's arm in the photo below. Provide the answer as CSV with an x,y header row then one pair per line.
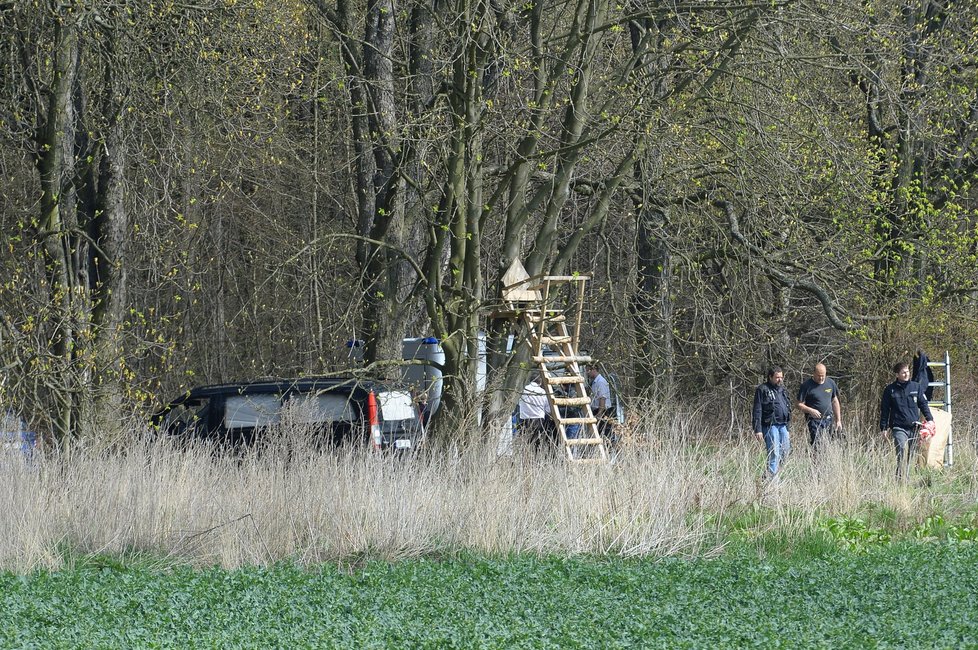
x,y
884,414
602,399
837,411
923,405
756,414
602,409
802,406
808,410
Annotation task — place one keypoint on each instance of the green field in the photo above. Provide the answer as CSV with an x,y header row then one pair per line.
x,y
917,595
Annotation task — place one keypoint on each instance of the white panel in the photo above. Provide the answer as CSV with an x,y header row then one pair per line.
x,y
395,405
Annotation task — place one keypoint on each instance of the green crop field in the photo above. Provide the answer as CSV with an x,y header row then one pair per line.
x,y
889,595
679,546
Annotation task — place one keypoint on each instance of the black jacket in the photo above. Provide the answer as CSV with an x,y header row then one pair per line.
x,y
922,374
901,405
771,406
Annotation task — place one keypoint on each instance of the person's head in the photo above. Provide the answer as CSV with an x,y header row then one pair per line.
x,y
818,376
592,372
902,370
775,375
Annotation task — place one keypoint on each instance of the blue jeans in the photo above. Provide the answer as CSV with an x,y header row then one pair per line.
x,y
778,446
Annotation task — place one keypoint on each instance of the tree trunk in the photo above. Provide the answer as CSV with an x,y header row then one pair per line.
x,y
652,304
109,229
55,166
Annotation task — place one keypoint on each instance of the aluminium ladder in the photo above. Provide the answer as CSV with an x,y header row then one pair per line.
x,y
561,370
944,383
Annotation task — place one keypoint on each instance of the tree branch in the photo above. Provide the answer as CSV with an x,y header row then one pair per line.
x,y
829,306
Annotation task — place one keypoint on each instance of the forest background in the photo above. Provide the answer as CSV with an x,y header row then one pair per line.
x,y
225,189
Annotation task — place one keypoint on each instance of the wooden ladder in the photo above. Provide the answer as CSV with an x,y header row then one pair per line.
x,y
547,328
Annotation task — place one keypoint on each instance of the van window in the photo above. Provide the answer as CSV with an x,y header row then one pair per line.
x,y
248,411
395,405
316,409
186,417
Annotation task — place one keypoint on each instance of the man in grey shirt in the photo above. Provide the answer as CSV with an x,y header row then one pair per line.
x,y
601,404
818,399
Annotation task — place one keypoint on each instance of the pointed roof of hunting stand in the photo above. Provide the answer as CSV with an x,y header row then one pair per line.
x,y
516,285
527,298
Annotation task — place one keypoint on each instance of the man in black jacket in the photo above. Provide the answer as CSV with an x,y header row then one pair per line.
x,y
900,409
771,415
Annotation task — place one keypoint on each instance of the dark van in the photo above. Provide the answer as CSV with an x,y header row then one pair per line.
x,y
336,410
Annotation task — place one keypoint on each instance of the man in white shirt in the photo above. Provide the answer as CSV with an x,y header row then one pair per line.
x,y
534,412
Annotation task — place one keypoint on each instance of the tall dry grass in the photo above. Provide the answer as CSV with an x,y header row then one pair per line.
x,y
677,488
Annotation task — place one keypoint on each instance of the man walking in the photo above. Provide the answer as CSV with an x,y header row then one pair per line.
x,y
818,399
771,415
900,409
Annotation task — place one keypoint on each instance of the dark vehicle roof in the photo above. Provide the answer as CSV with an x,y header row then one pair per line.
x,y
350,385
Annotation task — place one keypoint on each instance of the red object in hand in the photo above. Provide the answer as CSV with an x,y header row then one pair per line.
x,y
927,430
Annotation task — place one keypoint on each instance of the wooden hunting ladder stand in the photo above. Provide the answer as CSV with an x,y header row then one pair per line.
x,y
529,299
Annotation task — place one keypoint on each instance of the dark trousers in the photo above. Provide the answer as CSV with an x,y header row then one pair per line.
x,y
905,440
538,432
819,430
606,429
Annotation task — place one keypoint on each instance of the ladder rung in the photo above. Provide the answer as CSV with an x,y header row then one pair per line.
x,y
555,279
558,340
572,401
566,379
561,359
590,461
580,442
578,420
